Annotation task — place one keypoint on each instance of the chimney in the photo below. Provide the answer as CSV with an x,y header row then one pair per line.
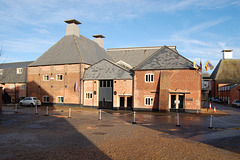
x,y
98,38
227,54
72,27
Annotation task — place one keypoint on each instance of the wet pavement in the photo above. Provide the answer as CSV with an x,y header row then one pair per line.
x,y
225,131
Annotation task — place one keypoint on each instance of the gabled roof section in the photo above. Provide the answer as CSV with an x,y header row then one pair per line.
x,y
133,56
227,71
71,50
165,58
106,70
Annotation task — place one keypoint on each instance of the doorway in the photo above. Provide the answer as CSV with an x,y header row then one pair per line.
x,y
177,103
106,94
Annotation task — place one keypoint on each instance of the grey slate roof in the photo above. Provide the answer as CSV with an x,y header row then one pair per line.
x,y
227,71
132,56
10,72
165,58
71,50
104,70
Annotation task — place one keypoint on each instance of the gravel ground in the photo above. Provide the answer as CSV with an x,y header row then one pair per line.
x,y
24,135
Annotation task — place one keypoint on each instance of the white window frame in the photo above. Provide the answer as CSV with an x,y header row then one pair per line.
x,y
89,95
45,76
1,71
149,77
19,70
23,87
12,86
149,102
58,77
45,100
60,99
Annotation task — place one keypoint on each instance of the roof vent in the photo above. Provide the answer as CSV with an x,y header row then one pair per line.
x,y
98,38
72,27
227,54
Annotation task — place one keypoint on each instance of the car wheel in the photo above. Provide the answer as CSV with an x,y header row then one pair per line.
x,y
31,105
20,104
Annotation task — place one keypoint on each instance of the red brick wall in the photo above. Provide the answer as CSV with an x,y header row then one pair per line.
x,y
16,92
235,94
124,89
165,81
54,88
89,87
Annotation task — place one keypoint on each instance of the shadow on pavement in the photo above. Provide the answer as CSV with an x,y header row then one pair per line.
x,y
24,135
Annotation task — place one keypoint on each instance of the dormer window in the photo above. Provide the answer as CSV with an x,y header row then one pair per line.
x,y
1,71
19,70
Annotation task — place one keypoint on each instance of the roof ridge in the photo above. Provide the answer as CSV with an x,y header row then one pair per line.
x,y
78,49
154,53
179,54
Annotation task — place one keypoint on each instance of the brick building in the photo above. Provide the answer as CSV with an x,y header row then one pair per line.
x,y
78,71
13,79
56,77
226,78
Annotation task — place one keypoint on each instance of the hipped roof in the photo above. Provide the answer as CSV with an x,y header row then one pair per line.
x,y
227,71
71,50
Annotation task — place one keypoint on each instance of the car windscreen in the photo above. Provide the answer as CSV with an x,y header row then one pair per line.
x,y
35,99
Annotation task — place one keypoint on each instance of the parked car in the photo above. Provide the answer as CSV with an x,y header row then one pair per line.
x,y
30,101
214,99
236,103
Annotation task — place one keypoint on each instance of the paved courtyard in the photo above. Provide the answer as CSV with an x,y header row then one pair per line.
x,y
26,135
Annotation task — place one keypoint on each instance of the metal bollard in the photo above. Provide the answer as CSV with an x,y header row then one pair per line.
x,y
69,113
15,109
211,121
46,111
178,122
134,119
100,115
36,111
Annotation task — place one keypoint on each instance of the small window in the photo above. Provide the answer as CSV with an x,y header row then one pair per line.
x,y
19,70
60,99
149,77
12,86
46,78
1,71
45,99
59,77
22,87
148,101
89,95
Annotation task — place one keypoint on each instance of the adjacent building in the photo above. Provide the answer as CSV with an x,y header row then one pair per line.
x,y
13,79
226,78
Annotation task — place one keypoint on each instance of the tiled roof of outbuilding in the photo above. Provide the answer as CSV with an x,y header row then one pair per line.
x,y
165,58
227,71
72,49
9,73
106,69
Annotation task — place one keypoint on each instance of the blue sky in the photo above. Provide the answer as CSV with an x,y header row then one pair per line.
x,y
200,29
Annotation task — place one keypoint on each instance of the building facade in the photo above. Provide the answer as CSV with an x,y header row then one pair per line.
x,y
78,71
13,78
225,76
